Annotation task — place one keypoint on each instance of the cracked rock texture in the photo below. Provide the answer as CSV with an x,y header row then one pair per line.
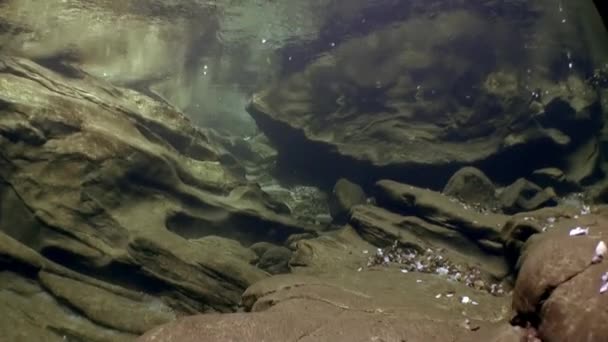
x,y
557,285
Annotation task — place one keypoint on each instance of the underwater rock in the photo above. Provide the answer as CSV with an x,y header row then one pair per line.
x,y
419,115
383,228
558,288
473,187
110,182
523,226
226,248
524,195
275,260
35,290
583,164
554,178
345,195
259,248
438,209
331,253
378,305
129,315
307,204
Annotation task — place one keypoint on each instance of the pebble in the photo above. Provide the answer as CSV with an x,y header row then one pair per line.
x,y
579,231
600,252
431,261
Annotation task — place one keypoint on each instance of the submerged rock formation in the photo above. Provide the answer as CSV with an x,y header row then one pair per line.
x,y
560,280
393,105
355,307
108,192
117,216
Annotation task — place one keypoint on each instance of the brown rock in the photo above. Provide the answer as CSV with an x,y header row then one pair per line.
x,y
345,195
575,310
439,210
523,195
473,187
352,306
382,228
111,182
557,285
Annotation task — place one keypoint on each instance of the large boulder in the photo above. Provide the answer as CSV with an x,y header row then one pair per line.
x,y
558,287
392,105
110,182
473,187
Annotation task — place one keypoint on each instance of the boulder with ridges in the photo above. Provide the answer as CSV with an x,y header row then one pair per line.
x,y
108,181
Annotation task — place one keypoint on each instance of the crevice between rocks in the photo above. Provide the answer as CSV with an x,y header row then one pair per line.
x,y
534,319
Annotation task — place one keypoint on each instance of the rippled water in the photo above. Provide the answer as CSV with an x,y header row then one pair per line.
x,y
263,40
208,57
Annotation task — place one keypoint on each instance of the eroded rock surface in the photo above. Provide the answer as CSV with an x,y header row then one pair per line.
x,y
116,185
344,304
418,114
481,226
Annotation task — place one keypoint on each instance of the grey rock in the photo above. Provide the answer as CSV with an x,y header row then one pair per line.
x,y
439,210
275,260
344,196
473,187
259,248
524,195
554,178
387,122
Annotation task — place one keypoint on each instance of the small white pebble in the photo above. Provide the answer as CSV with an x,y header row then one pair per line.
x,y
600,252
465,300
474,303
575,216
442,271
403,271
418,281
438,296
551,219
579,231
449,295
365,251
359,269
604,288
